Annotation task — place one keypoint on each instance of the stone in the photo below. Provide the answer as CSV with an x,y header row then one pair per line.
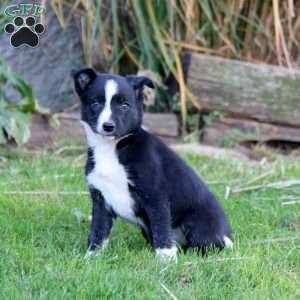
x,y
47,67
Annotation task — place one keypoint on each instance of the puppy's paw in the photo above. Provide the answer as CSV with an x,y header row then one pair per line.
x,y
167,254
228,242
92,253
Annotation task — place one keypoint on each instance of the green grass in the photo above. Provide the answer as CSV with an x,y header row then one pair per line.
x,y
43,239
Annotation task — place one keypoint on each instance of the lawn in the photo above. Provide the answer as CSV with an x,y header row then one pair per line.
x,y
43,237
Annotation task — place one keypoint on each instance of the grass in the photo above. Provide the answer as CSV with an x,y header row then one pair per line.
x,y
43,238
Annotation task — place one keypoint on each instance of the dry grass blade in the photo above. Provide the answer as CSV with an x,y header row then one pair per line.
x,y
43,178
68,148
222,259
182,90
46,193
277,31
255,179
193,47
291,8
276,240
290,202
173,297
279,36
274,185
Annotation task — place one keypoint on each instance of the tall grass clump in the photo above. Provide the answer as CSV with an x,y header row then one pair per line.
x,y
134,35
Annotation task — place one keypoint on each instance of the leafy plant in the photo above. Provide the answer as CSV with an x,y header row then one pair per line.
x,y
212,117
235,136
15,119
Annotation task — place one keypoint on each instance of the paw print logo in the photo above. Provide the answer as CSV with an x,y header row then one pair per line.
x,y
24,32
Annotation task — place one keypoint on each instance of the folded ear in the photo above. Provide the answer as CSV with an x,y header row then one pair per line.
x,y
83,78
138,82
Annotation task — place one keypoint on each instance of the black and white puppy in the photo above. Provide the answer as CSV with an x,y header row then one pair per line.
x,y
133,175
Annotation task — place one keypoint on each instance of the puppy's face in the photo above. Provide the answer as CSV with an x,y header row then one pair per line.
x,y
111,105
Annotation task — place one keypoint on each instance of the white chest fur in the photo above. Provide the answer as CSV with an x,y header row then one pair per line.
x,y
109,176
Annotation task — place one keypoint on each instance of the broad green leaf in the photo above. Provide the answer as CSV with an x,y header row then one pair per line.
x,y
19,128
15,119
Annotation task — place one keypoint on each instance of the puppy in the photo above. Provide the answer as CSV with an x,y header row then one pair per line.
x,y
133,175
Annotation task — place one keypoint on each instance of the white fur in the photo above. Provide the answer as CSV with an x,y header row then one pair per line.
x,y
94,253
89,254
111,89
109,176
104,244
167,253
228,242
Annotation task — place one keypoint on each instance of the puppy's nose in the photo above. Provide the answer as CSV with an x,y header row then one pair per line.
x,y
108,126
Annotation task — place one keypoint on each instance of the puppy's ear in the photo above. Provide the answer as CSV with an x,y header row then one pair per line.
x,y
138,82
83,78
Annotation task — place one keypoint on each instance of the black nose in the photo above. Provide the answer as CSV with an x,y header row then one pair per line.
x,y
108,126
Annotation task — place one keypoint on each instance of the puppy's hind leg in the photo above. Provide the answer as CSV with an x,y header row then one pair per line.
x,y
161,232
205,236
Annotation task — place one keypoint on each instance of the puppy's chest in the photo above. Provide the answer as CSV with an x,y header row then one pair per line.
x,y
111,179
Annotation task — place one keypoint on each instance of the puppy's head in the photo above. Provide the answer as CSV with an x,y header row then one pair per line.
x,y
111,105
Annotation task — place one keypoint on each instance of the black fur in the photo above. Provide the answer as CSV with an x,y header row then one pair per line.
x,y
167,192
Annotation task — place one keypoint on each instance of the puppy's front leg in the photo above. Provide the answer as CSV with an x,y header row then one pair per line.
x,y
161,228
102,222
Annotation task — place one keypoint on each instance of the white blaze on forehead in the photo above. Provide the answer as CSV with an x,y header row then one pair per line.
x,y
111,89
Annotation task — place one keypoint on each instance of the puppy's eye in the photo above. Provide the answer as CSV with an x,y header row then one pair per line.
x,y
95,106
125,106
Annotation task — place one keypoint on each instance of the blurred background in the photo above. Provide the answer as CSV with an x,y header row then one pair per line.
x,y
226,98
226,72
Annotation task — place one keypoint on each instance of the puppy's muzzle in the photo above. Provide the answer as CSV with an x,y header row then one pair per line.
x,y
108,127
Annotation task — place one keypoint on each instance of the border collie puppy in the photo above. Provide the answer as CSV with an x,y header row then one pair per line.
x,y
133,175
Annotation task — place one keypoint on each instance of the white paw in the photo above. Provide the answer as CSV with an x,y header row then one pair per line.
x,y
96,252
167,254
92,253
228,242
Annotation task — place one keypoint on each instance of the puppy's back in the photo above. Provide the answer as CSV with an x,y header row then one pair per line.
x,y
187,193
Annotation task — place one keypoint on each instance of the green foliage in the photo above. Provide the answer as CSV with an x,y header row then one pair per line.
x,y
44,237
236,136
212,117
15,119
